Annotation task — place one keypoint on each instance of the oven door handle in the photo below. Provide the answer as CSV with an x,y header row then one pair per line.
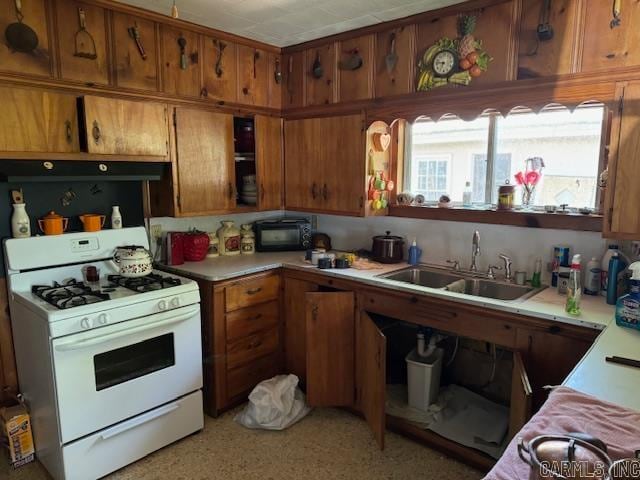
x,y
77,345
139,420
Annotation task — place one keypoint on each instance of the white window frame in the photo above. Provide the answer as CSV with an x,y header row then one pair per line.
x,y
446,158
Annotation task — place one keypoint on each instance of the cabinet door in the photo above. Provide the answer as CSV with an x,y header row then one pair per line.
x,y
330,337
623,190
204,161
122,127
371,354
320,90
343,163
38,121
133,69
607,48
550,355
356,84
76,49
181,64
220,69
252,76
269,161
295,326
303,164
37,62
521,396
293,80
398,79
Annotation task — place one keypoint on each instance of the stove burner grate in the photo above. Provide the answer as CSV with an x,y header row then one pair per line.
x,y
148,283
68,295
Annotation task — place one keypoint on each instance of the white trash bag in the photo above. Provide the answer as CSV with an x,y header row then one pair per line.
x,y
274,404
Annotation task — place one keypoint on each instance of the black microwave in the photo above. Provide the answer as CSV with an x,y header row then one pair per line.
x,y
283,234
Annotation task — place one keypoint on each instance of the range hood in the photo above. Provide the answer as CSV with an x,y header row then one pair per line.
x,y
74,170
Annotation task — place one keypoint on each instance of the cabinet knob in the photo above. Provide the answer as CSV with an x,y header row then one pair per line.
x,y
314,190
67,126
325,192
245,91
204,92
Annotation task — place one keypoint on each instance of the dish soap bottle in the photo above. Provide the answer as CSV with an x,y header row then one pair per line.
x,y
414,254
628,306
574,290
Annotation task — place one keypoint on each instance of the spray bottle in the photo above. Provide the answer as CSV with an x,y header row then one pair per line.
x,y
628,306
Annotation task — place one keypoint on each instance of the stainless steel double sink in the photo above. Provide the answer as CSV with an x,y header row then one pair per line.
x,y
475,285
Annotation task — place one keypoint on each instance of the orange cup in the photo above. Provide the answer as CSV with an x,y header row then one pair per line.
x,y
53,224
92,222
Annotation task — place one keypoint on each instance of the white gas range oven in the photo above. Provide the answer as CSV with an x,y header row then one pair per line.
x,y
109,375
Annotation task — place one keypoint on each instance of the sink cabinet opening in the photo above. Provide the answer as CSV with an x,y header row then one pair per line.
x,y
473,405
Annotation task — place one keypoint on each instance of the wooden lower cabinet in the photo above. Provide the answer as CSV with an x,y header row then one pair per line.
x,y
242,337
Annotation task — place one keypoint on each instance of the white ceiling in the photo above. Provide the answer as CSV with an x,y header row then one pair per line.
x,y
288,22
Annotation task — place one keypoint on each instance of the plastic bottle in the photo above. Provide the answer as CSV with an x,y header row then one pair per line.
x,y
537,273
466,195
593,277
628,306
574,290
605,268
414,254
615,278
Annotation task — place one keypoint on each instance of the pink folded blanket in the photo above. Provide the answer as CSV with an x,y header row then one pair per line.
x,y
565,411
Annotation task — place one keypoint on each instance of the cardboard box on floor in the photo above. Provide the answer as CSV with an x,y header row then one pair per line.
x,y
16,430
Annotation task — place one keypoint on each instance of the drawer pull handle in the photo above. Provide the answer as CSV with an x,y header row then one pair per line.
x,y
95,132
253,291
67,126
255,344
256,317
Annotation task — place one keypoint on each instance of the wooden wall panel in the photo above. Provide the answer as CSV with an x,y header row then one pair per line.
x,y
606,48
551,57
356,84
275,83
293,73
176,79
131,70
400,79
77,68
35,16
220,68
252,76
320,91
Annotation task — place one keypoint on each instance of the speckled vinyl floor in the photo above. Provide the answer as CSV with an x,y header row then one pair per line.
x,y
328,444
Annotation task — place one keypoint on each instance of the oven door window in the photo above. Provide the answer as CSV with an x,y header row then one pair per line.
x,y
280,236
133,361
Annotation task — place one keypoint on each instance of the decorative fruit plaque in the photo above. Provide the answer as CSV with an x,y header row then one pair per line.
x,y
455,61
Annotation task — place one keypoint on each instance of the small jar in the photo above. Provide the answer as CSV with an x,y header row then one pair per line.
x,y
214,243
248,240
228,238
506,196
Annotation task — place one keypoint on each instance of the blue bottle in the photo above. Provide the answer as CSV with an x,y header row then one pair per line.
x,y
628,306
614,277
414,254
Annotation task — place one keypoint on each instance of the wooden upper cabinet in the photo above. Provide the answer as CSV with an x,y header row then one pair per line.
x,y
320,87
329,338
623,190
275,78
550,57
37,62
204,161
38,121
355,84
394,78
371,357
180,62
269,160
84,56
133,68
293,80
220,69
606,48
122,127
253,69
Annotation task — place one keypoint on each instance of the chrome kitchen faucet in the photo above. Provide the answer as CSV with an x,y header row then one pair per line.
x,y
475,251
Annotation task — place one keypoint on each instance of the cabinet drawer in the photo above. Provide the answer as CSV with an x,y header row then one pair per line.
x,y
244,378
247,321
251,292
448,317
254,346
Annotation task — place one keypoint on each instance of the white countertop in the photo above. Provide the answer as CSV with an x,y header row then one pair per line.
x,y
547,304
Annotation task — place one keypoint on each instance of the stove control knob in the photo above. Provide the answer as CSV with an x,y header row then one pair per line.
x,y
162,305
103,318
175,302
84,323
